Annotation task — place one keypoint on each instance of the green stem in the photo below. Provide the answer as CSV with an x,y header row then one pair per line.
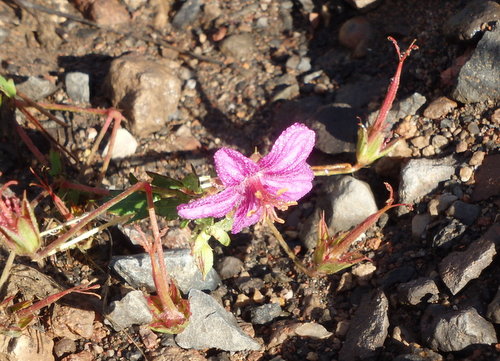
x,y
287,249
6,268
334,169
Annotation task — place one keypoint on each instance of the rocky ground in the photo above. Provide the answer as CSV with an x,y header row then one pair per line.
x,y
192,76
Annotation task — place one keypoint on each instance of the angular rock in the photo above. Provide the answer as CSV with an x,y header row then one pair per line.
x,y
368,328
420,290
136,270
36,88
229,267
449,234
78,86
359,93
266,313
479,78
419,225
125,145
211,326
420,177
458,268
465,212
131,310
448,330
313,330
439,107
107,12
32,345
493,313
468,22
147,91
187,14
487,179
72,323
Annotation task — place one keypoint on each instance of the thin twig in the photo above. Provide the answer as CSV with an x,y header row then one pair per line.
x,y
6,268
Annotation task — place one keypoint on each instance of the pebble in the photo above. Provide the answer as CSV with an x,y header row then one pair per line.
x,y
229,267
131,310
355,34
78,86
477,158
479,78
136,271
461,147
420,142
107,12
428,151
402,109
363,4
36,88
211,326
493,313
459,268
72,323
495,117
465,212
439,141
313,330
32,345
368,328
465,173
64,346
364,272
147,91
449,330
189,11
439,108
467,23
473,128
449,234
420,290
419,224
266,313
438,205
239,46
125,145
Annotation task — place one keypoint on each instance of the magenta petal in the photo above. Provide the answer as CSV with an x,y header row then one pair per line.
x,y
217,205
297,184
233,167
243,217
292,147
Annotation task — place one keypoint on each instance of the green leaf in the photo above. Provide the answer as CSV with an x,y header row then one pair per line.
x,y
203,253
164,181
7,87
220,235
167,207
136,204
132,179
192,182
55,163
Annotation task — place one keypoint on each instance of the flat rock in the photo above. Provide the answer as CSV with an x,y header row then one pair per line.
x,y
420,290
479,78
78,86
36,88
419,177
125,145
313,330
131,310
147,91
263,314
229,267
187,14
439,107
72,323
458,268
493,313
467,23
136,270
211,326
368,328
449,330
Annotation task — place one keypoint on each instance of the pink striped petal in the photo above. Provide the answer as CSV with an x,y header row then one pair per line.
x,y
249,212
292,147
217,205
233,167
297,184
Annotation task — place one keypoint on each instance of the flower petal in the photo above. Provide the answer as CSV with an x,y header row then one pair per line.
x,y
217,205
249,212
233,167
292,147
297,183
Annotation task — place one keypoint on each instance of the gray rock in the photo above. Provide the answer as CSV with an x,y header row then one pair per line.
x,y
239,46
266,313
147,91
465,212
448,234
479,79
249,284
449,330
493,313
359,93
368,328
125,145
468,22
397,275
420,290
131,310
211,326
187,14
136,271
419,224
36,88
229,267
420,177
458,268
78,86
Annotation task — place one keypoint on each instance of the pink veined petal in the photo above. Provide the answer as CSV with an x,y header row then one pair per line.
x,y
233,167
297,184
242,217
217,205
291,148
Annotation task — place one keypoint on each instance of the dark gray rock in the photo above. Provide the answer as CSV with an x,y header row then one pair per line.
x,y
239,46
359,93
449,330
479,79
266,313
211,326
78,86
448,234
465,212
249,284
398,275
420,177
136,271
458,268
368,328
468,22
36,88
493,313
420,290
131,310
229,267
187,14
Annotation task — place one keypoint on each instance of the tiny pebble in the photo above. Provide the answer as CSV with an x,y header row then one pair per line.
x,y
465,173
477,158
428,151
461,147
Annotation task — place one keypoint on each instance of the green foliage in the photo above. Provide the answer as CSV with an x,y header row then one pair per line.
x,y
7,87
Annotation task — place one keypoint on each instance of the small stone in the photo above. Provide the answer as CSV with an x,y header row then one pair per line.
x,y
355,34
342,328
493,312
419,290
363,4
419,224
78,86
428,151
36,88
107,12
131,310
487,180
477,158
439,108
495,117
313,330
420,142
229,267
439,141
239,46
466,173
265,313
468,23
187,14
72,323
64,346
473,128
449,234
32,345
461,147
465,212
346,282
364,272
80,356
125,145
438,205
458,268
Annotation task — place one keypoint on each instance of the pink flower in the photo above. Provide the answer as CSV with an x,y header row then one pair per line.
x,y
254,189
